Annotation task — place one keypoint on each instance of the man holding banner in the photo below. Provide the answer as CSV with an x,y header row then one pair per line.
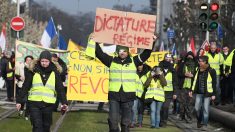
x,y
122,84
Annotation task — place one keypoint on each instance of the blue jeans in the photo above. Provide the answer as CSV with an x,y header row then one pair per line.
x,y
155,113
138,108
202,108
115,109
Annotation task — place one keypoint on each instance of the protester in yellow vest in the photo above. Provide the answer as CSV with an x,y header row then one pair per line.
x,y
10,71
170,89
226,87
155,94
204,86
122,84
216,61
186,73
42,84
20,71
138,107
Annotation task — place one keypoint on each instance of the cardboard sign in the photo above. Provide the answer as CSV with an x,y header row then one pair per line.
x,y
88,79
124,28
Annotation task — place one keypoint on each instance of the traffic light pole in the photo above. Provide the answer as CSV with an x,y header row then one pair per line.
x,y
207,32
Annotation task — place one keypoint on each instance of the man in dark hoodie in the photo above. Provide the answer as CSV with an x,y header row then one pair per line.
x,y
170,89
186,73
122,84
204,86
43,84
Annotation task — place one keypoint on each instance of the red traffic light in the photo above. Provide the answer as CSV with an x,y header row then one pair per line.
x,y
214,7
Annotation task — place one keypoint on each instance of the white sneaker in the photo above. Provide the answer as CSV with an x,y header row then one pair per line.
x,y
21,113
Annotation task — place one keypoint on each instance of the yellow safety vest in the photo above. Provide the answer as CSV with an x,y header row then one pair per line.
x,y
228,61
122,75
40,92
140,83
169,86
90,49
10,74
209,82
187,81
216,62
155,91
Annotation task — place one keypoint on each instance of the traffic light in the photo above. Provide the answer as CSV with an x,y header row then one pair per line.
x,y
203,17
213,17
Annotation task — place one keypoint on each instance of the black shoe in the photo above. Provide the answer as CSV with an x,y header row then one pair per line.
x,y
199,125
152,127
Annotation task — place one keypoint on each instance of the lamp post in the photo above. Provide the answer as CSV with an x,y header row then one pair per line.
x,y
59,28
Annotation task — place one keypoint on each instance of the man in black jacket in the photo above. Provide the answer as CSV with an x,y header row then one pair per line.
x,y
122,84
204,86
43,83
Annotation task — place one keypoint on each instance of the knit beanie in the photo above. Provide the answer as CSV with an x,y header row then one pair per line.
x,y
45,55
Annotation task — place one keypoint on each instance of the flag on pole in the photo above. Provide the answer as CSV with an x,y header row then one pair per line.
x,y
3,37
162,47
62,44
48,34
192,46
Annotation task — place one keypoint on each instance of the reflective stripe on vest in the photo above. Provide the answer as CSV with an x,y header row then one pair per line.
x,y
10,74
155,91
216,62
187,81
209,82
169,86
228,61
39,92
122,75
140,85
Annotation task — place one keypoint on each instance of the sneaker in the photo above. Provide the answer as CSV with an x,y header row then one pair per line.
x,y
140,125
21,113
204,128
26,118
152,127
132,125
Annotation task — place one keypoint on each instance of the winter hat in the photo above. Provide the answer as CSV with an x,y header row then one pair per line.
x,y
45,55
119,47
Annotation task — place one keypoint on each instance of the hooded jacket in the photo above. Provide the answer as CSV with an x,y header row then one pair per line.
x,y
181,70
35,67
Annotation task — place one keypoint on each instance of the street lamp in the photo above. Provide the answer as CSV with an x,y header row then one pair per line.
x,y
59,28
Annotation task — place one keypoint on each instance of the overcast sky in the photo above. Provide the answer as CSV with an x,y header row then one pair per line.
x,y
75,6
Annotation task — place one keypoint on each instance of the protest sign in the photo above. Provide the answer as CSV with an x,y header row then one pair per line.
x,y
124,28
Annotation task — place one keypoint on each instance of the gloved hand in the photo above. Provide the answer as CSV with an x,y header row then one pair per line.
x,y
63,109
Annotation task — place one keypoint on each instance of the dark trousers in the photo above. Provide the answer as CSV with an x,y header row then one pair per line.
x,y
186,103
10,88
100,106
40,116
226,90
115,109
165,110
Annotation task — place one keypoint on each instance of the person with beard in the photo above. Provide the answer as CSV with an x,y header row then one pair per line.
x,y
138,107
216,61
204,86
43,84
122,83
226,89
186,73
170,89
